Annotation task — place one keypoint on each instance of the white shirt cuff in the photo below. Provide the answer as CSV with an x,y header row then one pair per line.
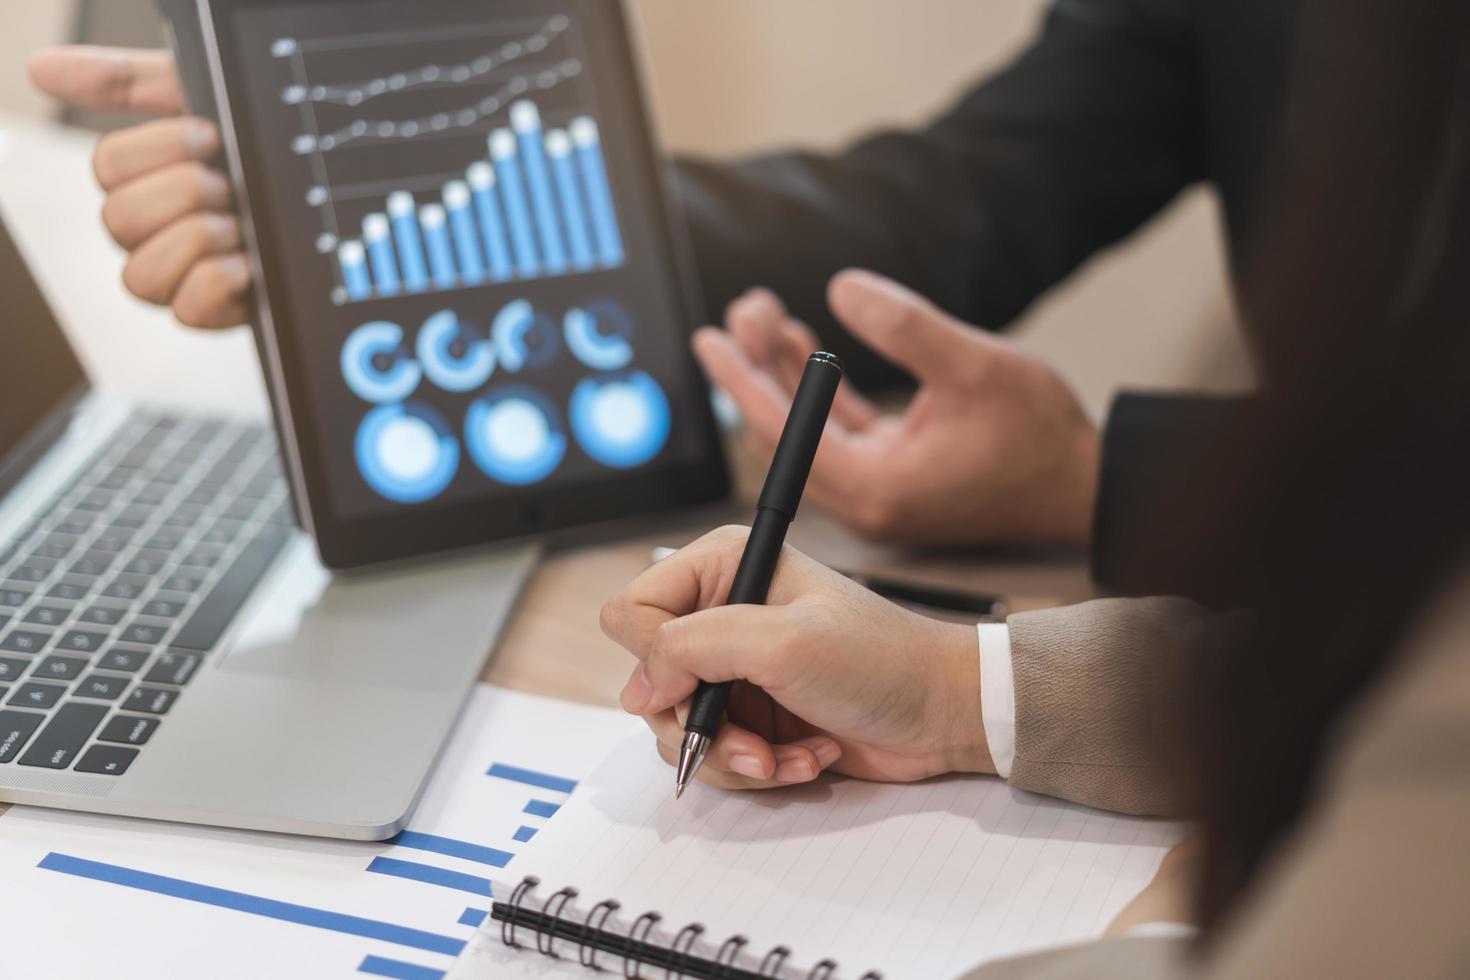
x,y
998,695
1162,930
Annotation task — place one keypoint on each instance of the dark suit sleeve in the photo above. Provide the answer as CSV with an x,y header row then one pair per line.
x,y
1086,135
1155,450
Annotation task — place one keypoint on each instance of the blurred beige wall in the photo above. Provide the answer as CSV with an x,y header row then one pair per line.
x,y
735,77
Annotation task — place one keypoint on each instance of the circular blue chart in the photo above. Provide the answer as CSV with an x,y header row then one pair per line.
x,y
453,357
376,366
621,420
600,334
406,452
514,435
523,337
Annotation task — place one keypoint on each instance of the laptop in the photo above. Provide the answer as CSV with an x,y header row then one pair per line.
x,y
170,644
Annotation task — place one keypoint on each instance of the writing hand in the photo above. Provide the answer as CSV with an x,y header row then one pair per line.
x,y
829,675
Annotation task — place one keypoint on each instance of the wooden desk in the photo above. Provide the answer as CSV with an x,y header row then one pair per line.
x,y
552,645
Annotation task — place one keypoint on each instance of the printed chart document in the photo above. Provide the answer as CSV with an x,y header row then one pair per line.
x,y
84,895
917,881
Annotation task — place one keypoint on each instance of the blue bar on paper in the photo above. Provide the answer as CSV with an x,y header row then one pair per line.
x,y
462,227
524,833
532,778
513,195
375,234
436,238
472,917
351,925
378,966
430,875
355,279
599,193
481,178
559,150
453,848
405,220
526,121
540,808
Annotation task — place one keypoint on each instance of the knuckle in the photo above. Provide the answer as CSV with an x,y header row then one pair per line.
x,y
612,615
104,160
119,221
142,279
876,516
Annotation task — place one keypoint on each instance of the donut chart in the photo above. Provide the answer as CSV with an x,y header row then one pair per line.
x,y
376,366
620,420
600,335
514,435
523,337
406,453
453,357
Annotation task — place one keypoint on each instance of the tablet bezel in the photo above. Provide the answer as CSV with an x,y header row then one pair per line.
x,y
511,514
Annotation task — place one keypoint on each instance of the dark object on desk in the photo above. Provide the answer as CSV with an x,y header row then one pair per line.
x,y
774,512
933,597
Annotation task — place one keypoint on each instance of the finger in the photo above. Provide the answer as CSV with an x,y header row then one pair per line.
x,y
849,407
794,765
906,328
763,403
127,154
142,208
91,77
157,269
722,643
754,319
212,293
735,748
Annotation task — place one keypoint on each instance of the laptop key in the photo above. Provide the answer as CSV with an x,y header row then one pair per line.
x,y
16,729
120,658
207,624
25,641
147,563
93,563
153,700
12,598
102,686
102,615
127,586
60,668
128,729
172,668
47,616
33,695
184,515
203,556
12,667
109,760
182,582
30,572
163,607
60,741
148,634
70,589
60,547
112,539
165,539
82,641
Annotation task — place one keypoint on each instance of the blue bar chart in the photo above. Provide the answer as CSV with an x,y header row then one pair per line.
x,y
539,204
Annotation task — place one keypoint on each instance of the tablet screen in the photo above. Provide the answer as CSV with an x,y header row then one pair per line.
x,y
474,290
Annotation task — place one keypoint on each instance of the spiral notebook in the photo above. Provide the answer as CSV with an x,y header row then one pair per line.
x,y
838,879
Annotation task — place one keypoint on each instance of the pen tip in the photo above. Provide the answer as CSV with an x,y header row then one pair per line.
x,y
678,790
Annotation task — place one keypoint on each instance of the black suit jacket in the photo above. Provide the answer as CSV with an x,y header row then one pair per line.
x,y
1117,107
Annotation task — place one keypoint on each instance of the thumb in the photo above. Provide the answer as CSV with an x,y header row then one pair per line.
x,y
119,79
905,327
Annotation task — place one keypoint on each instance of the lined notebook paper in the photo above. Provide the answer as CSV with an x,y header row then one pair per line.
x,y
922,880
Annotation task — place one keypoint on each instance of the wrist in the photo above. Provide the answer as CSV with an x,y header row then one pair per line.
x,y
963,746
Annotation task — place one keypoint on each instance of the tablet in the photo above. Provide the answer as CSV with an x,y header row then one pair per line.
x,y
472,299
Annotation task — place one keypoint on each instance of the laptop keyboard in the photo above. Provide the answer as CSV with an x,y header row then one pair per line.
x,y
112,598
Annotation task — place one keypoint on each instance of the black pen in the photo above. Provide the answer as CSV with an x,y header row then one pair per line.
x,y
774,511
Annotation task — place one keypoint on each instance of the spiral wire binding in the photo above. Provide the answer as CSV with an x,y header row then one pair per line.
x,y
693,931
586,952
722,967
566,895
647,920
